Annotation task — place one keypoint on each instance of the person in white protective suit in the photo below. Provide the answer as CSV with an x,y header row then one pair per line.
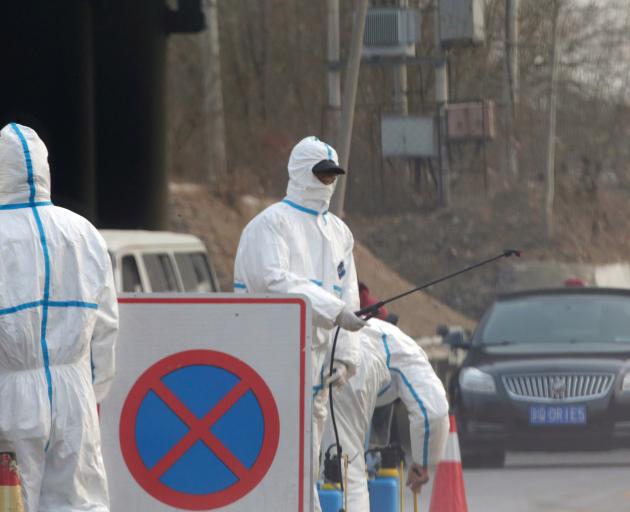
x,y
354,405
413,380
297,246
58,326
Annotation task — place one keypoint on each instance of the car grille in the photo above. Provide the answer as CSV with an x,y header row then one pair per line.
x,y
558,387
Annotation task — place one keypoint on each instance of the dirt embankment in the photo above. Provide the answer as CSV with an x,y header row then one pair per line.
x,y
591,225
218,221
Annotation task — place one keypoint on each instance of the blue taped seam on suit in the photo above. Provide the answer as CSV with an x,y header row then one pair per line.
x,y
21,307
17,206
425,454
301,208
52,304
239,286
384,390
29,163
336,288
72,304
42,238
329,150
320,386
46,303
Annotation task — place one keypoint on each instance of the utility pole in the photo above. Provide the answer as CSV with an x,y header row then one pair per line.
x,y
511,83
212,102
399,182
551,135
349,97
401,102
332,113
441,99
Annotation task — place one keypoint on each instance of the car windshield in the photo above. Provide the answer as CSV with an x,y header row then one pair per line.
x,y
559,319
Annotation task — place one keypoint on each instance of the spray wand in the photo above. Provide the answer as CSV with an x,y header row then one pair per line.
x,y
370,311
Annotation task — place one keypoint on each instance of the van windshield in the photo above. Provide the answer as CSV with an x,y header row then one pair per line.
x,y
559,319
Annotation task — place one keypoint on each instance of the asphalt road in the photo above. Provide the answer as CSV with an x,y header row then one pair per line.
x,y
548,482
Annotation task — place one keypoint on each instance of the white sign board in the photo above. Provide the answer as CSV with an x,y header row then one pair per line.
x,y
408,136
211,405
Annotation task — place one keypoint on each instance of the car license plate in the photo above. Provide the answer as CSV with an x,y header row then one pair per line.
x,y
557,415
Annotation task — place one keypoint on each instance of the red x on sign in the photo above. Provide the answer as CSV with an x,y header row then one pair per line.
x,y
171,478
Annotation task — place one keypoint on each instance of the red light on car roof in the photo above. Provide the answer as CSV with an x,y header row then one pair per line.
x,y
574,282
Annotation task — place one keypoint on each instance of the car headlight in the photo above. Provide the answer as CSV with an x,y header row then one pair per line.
x,y
473,379
625,383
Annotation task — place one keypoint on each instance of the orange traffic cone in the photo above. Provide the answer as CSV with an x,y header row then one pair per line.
x,y
10,488
448,493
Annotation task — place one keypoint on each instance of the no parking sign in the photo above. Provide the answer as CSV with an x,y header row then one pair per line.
x,y
210,408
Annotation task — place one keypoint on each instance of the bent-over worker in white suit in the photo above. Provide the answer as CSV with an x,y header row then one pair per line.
x,y
410,377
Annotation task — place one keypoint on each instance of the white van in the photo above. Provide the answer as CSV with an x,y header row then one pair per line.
x,y
159,261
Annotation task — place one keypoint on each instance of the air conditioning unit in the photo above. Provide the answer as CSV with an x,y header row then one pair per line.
x,y
391,32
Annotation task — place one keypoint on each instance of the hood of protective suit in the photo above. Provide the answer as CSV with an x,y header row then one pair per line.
x,y
24,171
304,188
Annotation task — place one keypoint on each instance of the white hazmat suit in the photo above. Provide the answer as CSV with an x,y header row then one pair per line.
x,y
354,405
58,325
297,246
412,380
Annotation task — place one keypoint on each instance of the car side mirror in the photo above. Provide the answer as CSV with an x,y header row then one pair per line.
x,y
441,330
456,339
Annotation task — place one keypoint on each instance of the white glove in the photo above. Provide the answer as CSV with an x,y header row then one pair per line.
x,y
339,376
320,405
349,321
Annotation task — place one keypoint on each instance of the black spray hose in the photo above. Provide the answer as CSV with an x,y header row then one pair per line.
x,y
332,408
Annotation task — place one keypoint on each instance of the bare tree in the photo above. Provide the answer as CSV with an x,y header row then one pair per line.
x,y
550,173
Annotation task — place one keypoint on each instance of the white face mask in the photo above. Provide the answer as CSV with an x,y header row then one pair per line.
x,y
304,187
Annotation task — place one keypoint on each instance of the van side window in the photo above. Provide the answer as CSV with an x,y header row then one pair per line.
x,y
195,272
161,273
113,261
130,275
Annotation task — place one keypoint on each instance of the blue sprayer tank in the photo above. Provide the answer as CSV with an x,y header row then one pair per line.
x,y
385,491
330,497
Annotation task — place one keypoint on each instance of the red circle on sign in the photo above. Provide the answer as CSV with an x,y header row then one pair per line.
x,y
150,380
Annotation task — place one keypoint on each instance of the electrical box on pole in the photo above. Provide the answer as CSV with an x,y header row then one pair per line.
x,y
408,136
470,121
461,22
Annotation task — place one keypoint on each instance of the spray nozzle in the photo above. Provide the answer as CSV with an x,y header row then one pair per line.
x,y
512,252
391,456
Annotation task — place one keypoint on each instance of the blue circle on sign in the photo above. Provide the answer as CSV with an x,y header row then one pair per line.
x,y
199,388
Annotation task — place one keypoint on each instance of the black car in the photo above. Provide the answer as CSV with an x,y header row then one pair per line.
x,y
545,369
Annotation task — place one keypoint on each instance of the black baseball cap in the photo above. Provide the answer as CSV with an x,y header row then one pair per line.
x,y
327,166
